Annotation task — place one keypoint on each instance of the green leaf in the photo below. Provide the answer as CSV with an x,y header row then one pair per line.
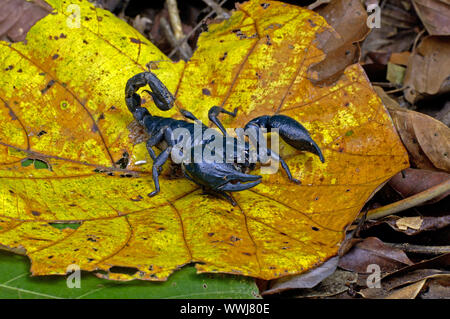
x,y
15,282
27,162
38,164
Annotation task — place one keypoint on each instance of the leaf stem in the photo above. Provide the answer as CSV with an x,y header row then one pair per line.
x,y
409,202
433,250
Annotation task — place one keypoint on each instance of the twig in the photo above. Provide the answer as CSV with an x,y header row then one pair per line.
x,y
384,84
220,12
175,22
171,37
318,3
431,250
410,202
395,90
192,31
417,40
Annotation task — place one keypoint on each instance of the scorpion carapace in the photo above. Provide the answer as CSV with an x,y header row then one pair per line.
x,y
218,177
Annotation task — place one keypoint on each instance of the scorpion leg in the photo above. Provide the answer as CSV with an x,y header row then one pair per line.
x,y
277,157
161,159
152,141
215,111
218,193
189,115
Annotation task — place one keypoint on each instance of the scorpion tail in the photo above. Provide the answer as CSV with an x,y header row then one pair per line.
x,y
133,102
161,95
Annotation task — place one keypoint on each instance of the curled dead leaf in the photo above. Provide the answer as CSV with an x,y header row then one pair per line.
x,y
373,251
18,16
426,73
411,225
409,222
437,288
416,225
403,286
307,280
435,15
412,181
409,292
427,139
340,46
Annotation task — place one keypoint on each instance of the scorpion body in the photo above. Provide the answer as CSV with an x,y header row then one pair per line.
x,y
214,177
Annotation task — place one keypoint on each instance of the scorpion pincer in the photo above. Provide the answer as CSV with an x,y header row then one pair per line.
x,y
217,178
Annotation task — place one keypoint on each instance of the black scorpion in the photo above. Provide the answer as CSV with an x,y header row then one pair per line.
x,y
214,177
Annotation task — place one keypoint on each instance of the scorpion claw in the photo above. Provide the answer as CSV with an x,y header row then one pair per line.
x,y
291,131
236,187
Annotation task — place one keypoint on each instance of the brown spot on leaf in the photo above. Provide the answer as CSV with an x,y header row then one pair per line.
x,y
48,86
224,56
134,40
311,23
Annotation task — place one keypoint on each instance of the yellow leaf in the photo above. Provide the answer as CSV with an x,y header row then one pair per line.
x,y
63,104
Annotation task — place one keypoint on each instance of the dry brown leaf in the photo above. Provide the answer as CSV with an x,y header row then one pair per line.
x,y
396,34
412,181
17,17
428,72
408,292
348,19
373,251
409,222
426,139
437,288
392,284
435,15
426,223
307,280
338,283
